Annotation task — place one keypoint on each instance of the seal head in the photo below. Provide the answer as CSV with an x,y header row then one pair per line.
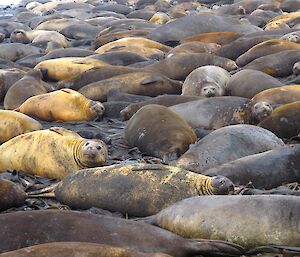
x,y
261,110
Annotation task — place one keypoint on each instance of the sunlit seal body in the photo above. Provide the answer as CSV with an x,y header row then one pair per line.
x,y
63,152
62,105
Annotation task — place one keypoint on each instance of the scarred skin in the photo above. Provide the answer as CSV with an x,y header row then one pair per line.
x,y
68,249
13,124
62,105
38,227
250,221
136,189
63,152
11,195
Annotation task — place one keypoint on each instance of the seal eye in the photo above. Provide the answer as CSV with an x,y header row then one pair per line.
x,y
87,143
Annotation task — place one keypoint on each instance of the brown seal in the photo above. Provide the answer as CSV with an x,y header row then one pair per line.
x,y
150,186
264,170
30,85
165,100
194,47
284,120
158,131
11,195
179,66
207,81
247,83
277,221
147,83
72,226
227,144
266,48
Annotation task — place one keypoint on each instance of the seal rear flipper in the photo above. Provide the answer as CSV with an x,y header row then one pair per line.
x,y
280,249
214,247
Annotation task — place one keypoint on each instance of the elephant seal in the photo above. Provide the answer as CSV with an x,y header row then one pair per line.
x,y
160,18
67,67
67,249
165,100
296,69
13,124
94,75
220,38
15,51
277,65
153,186
26,37
179,66
265,170
207,81
72,226
158,131
272,224
274,96
11,195
175,31
62,105
292,37
281,21
30,85
141,83
284,120
227,144
7,27
266,48
116,95
194,47
59,24
2,37
211,113
63,152
247,83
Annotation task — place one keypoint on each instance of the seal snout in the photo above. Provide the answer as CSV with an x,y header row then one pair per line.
x,y
209,91
97,108
222,185
94,153
262,110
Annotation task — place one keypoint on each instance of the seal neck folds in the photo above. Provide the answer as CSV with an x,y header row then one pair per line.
x,y
89,153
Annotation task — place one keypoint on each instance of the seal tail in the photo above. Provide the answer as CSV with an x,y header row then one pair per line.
x,y
213,247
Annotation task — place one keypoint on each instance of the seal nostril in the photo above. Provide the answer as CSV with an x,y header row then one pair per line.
x,y
98,147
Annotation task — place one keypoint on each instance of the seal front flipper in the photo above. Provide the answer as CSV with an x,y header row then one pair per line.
x,y
148,81
211,247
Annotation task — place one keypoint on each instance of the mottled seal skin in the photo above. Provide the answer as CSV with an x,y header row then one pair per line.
x,y
158,131
30,85
207,81
277,65
16,51
220,38
176,30
266,48
94,75
145,188
250,221
11,195
68,226
265,170
292,37
141,83
296,69
179,66
62,105
63,152
67,249
194,47
284,120
165,100
211,113
13,124
247,83
227,144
